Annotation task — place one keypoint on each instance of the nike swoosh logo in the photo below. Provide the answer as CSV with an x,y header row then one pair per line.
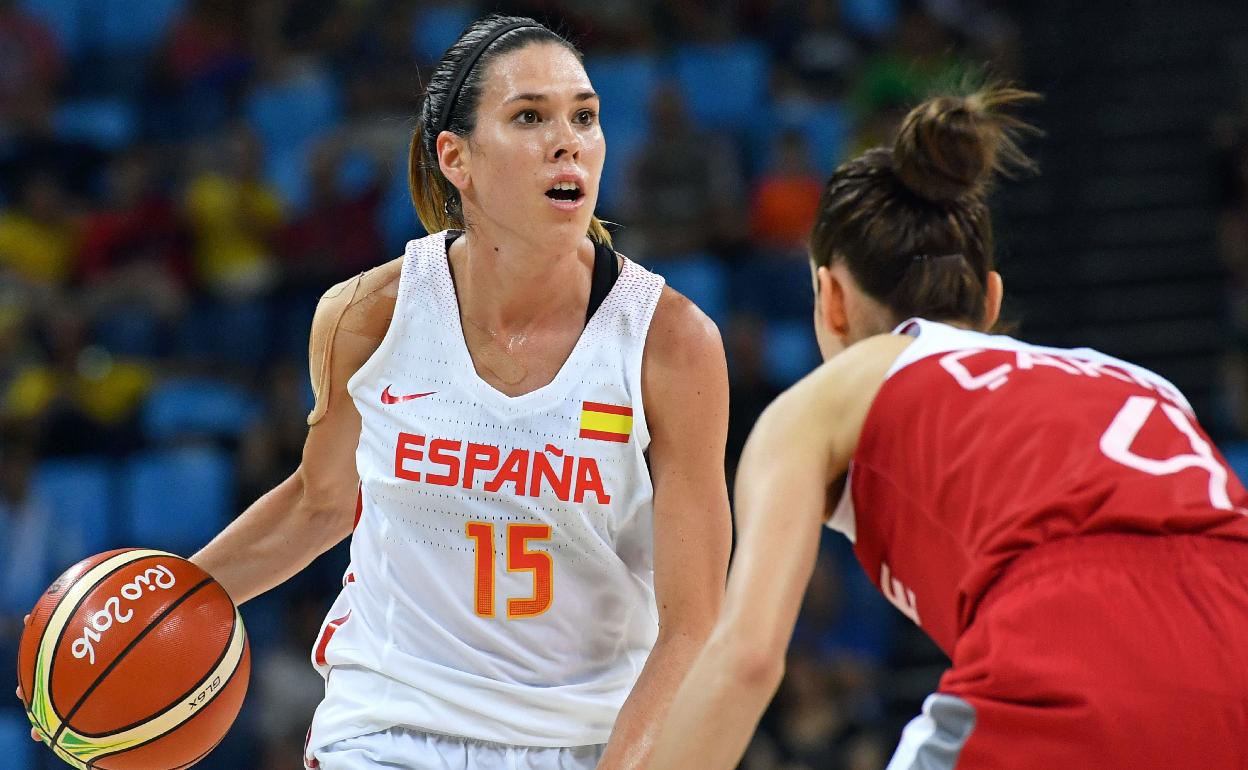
x,y
388,398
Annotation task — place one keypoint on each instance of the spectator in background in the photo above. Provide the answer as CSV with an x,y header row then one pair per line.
x,y
685,188
1232,240
919,57
39,236
30,59
750,389
381,70
338,234
786,198
80,400
286,690
14,336
697,21
991,34
32,148
274,444
819,51
1233,222
203,69
32,547
134,247
207,47
235,216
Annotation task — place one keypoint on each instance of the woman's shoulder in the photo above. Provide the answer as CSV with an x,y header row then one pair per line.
x,y
367,300
351,320
678,322
682,340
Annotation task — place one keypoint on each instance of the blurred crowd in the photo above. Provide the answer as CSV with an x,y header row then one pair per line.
x,y
1231,137
181,179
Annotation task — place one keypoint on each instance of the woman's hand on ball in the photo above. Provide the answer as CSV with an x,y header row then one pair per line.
x,y
34,733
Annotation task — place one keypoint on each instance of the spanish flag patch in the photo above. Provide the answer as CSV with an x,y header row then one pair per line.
x,y
606,422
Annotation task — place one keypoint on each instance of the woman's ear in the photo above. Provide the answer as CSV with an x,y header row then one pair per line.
x,y
994,291
454,159
830,301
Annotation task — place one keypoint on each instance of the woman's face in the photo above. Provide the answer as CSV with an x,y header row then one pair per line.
x,y
533,163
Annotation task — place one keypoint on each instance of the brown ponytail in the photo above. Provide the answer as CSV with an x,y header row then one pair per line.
x,y
912,222
428,188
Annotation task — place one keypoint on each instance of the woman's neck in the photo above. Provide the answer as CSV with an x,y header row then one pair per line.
x,y
509,285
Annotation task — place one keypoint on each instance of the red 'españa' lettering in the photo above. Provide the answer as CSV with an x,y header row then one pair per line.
x,y
439,453
588,480
481,457
515,469
408,448
450,462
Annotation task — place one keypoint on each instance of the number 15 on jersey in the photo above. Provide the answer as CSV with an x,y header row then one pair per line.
x,y
519,559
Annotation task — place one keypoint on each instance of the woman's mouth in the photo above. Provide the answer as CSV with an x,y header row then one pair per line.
x,y
565,195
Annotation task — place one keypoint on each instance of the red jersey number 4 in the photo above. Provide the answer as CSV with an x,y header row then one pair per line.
x,y
1117,440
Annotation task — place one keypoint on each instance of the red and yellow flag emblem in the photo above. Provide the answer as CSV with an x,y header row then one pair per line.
x,y
606,422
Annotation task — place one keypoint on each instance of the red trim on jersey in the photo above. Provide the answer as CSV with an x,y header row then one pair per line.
x,y
350,578
311,763
359,504
604,436
594,406
330,629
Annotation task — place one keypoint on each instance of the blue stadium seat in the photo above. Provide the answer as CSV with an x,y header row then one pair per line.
x,y
177,499
16,746
399,223
826,126
69,21
725,85
231,332
134,26
294,110
876,18
702,279
197,408
289,116
107,123
286,168
773,287
80,493
436,28
626,85
130,330
1236,454
790,351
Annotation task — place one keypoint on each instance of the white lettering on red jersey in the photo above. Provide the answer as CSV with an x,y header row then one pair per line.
x,y
980,446
501,580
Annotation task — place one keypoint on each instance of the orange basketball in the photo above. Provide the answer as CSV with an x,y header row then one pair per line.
x,y
134,659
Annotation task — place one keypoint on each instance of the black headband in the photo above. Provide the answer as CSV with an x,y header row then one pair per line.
x,y
466,65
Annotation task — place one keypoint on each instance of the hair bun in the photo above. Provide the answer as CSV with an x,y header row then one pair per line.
x,y
950,146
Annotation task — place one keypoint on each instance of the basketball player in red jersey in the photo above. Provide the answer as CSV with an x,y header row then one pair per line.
x,y
1055,520
525,433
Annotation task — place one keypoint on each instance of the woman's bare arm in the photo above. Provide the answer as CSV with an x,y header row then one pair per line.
x,y
313,509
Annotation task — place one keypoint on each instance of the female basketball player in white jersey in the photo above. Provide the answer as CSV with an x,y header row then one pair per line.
x,y
1054,519
535,427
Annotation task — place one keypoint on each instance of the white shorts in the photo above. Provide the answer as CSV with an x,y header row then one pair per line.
x,y
413,750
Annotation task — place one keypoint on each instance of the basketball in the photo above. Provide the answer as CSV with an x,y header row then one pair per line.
x,y
134,658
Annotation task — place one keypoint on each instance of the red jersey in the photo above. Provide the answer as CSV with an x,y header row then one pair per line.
x,y
979,447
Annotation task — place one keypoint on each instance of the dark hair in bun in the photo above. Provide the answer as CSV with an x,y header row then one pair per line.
x,y
912,222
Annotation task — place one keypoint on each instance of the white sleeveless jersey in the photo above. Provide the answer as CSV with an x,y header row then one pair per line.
x,y
501,579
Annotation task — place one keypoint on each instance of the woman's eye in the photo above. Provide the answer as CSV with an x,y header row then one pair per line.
x,y
527,116
586,117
